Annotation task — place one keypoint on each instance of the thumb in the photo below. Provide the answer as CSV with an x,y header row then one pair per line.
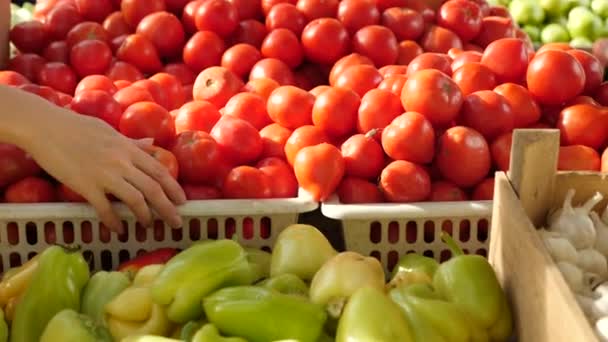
x,y
143,143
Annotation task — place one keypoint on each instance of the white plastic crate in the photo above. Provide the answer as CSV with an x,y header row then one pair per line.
x,y
387,231
27,229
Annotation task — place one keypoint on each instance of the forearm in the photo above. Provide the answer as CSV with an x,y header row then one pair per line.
x,y
5,22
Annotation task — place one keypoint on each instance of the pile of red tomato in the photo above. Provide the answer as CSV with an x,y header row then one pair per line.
x,y
377,100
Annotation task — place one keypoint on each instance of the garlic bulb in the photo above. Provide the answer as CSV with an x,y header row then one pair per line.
x,y
573,275
601,329
560,248
590,260
575,223
601,230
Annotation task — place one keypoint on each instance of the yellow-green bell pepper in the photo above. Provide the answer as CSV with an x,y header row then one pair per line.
x,y
259,261
3,328
100,290
71,326
287,284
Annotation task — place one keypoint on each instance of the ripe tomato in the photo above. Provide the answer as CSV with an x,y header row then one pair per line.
x,y
261,86
405,23
251,32
356,191
601,94
60,20
583,124
87,30
359,78
219,16
325,40
432,94
135,10
363,156
138,50
30,190
554,46
120,84
249,107
198,156
246,9
430,60
583,99
408,50
378,43
99,104
207,41
44,92
130,95
284,45
188,16
172,87
494,28
165,32
241,58
507,58
390,70
439,39
165,157
465,57
463,156
148,120
594,70
57,51
316,91
472,77
274,69
484,191
462,17
335,111
346,62
283,180
555,77
247,182
159,94
12,78
290,106
95,10
377,110
525,110
394,84
442,191
302,137
29,36
409,137
274,137
216,85
501,151
195,192
488,113
356,14
287,16
604,161
319,170
15,164
116,25
65,194
27,64
402,181
58,76
578,158
196,116
181,72
239,142
315,9
90,57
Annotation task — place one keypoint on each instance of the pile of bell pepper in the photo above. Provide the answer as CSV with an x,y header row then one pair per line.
x,y
218,290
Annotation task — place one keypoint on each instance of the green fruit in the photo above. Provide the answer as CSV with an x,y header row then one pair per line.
x,y
581,43
554,33
600,7
584,23
527,12
533,32
554,8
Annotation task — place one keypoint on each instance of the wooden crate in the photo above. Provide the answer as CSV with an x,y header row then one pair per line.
x,y
544,307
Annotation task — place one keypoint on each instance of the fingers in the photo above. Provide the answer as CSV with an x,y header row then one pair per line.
x,y
159,173
133,198
155,195
105,211
143,143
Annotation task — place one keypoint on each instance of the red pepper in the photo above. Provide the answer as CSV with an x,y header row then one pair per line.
x,y
155,257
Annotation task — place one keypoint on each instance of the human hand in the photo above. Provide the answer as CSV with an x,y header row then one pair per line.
x,y
93,159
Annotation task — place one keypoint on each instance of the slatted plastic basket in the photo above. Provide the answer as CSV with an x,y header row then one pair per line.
x,y
27,229
387,231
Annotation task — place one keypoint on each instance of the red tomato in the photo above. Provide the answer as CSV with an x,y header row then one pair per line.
x,y
316,91
65,194
148,120
57,51
555,77
346,62
159,94
29,36
219,16
30,190
239,142
378,43
165,157
139,51
501,151
594,70
247,9
494,28
604,161
99,104
90,57
195,192
578,158
488,113
251,32
44,92
198,157
189,14
196,116
601,94
525,110
95,10
249,107
319,170
274,69
247,182
484,191
267,5
507,58
241,58
390,70
27,64
282,179
356,14
325,40
439,39
394,84
432,94
583,124
363,156
403,181
463,156
172,87
462,17
203,50
408,50
216,85
302,137
130,95
116,25
472,77
429,60
15,164
58,76
377,110
409,137
335,111
359,78
554,46
120,84
465,57
356,191
284,45
181,72
261,86
87,30
60,20
165,31
286,16
135,10
274,137
405,23
442,191
12,78
315,9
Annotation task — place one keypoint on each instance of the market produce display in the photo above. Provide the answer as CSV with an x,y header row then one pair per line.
x,y
397,101
218,290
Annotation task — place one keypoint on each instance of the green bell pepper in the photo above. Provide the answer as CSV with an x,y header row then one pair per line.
x,y
3,328
189,329
100,290
287,284
56,285
148,338
371,316
197,271
413,268
209,333
470,282
261,315
259,261
71,326
301,250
